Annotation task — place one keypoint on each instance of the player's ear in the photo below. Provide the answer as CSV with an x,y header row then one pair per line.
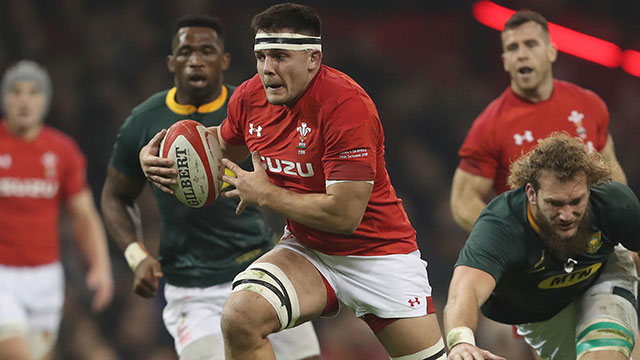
x,y
504,63
531,193
552,52
315,59
226,61
171,64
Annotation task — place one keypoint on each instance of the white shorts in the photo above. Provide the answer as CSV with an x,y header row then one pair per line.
x,y
556,338
388,286
31,298
192,313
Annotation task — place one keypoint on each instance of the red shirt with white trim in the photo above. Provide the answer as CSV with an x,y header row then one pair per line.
x,y
35,176
332,133
511,125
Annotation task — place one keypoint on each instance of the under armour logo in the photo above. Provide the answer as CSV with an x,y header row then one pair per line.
x,y
575,117
257,130
414,302
5,161
521,138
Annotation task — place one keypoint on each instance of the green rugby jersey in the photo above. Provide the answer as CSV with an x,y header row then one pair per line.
x,y
199,247
532,284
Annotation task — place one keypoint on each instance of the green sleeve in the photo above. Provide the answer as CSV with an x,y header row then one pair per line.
x,y
492,247
129,141
622,214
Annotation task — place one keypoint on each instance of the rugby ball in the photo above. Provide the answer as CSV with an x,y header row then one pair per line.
x,y
197,157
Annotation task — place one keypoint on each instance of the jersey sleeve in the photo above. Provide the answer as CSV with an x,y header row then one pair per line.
x,y
126,150
603,122
74,177
491,248
231,129
621,215
478,154
351,137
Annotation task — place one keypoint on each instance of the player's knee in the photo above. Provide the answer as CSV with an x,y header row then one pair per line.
x,y
604,336
243,321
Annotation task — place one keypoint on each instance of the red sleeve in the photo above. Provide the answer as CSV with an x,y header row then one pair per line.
x,y
74,176
478,153
603,123
230,129
351,136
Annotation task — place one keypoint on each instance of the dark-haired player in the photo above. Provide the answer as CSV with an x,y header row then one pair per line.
x,y
201,250
317,147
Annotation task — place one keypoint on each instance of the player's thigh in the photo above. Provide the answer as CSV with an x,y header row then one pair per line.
x,y
280,289
604,355
14,348
194,313
306,279
410,335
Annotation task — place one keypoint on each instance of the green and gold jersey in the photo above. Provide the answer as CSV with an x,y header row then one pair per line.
x,y
532,284
199,247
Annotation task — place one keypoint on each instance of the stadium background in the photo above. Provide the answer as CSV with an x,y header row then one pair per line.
x,y
429,66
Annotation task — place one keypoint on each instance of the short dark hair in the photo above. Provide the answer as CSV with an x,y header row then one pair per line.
x,y
200,21
207,21
298,18
523,16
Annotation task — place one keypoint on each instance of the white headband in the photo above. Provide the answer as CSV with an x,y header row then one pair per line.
x,y
286,41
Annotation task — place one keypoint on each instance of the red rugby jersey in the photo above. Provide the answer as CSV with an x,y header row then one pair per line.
x,y
332,133
510,126
35,176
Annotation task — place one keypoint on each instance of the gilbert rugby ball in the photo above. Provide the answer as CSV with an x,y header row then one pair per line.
x,y
197,157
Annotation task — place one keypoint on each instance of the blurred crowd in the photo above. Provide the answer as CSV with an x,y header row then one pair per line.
x,y
430,68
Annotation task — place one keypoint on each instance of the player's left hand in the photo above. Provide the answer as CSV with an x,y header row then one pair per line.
x,y
99,281
250,186
159,171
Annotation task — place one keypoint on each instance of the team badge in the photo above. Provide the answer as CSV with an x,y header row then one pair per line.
x,y
594,243
576,118
49,160
303,130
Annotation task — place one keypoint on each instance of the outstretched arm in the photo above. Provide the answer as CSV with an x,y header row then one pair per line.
x,y
468,193
91,239
123,222
468,290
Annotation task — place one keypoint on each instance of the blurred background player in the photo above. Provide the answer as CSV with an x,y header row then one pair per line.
x,y
532,107
348,239
201,250
41,170
544,257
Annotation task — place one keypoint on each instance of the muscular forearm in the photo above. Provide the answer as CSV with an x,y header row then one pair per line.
x,y
465,215
461,312
89,234
319,211
123,222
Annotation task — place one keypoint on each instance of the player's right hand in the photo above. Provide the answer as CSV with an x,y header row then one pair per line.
x,y
145,281
465,351
159,171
